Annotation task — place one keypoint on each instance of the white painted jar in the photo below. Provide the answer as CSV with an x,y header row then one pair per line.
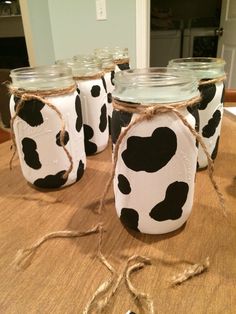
x,y
210,108
91,87
93,94
37,127
108,67
156,165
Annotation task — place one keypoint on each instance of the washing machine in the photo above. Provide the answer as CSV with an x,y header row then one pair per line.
x,y
200,42
164,46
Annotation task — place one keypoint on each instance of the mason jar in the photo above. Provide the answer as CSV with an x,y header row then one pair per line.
x,y
91,87
156,159
108,67
210,74
43,102
121,58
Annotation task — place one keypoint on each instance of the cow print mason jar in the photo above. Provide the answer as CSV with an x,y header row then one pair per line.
x,y
156,159
121,58
210,73
92,89
108,67
46,98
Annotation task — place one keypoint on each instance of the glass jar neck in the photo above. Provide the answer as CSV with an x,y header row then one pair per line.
x,y
116,53
155,85
42,77
86,68
120,53
82,65
204,68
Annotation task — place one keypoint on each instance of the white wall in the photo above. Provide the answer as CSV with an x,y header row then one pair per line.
x,y
62,28
75,29
37,28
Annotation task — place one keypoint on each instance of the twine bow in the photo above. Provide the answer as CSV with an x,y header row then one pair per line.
x,y
39,95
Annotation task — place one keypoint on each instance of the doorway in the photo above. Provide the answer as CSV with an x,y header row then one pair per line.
x,y
183,29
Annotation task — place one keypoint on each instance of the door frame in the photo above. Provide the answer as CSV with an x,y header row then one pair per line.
x,y
143,8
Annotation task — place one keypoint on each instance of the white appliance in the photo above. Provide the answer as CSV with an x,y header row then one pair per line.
x,y
200,42
164,45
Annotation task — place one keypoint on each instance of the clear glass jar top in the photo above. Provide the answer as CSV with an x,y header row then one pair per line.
x,y
203,67
115,52
42,77
155,85
120,53
82,65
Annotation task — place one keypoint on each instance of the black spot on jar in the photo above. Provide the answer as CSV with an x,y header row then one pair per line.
x,y
30,111
51,181
123,184
104,83
112,77
223,94
103,118
215,150
171,206
152,153
123,66
209,129
79,119
95,91
130,217
193,110
31,156
64,141
208,92
109,98
80,170
90,147
119,119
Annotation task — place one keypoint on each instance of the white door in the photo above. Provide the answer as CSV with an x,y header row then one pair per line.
x,y
227,40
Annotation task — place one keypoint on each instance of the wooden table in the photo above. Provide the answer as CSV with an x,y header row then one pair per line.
x,y
65,272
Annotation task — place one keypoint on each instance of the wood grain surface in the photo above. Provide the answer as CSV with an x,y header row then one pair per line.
x,y
65,273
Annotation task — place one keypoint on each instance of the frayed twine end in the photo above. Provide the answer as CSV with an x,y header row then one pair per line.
x,y
190,272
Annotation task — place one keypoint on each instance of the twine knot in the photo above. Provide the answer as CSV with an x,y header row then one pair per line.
x,y
150,112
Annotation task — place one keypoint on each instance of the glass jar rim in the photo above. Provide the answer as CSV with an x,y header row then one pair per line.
x,y
198,63
155,85
42,77
54,72
155,76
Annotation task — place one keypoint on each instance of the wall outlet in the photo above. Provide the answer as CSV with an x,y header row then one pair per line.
x,y
101,12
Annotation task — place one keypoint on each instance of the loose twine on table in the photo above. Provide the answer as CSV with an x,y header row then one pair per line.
x,y
25,95
24,257
106,290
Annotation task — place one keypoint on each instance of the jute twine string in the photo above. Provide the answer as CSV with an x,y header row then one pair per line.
x,y
24,256
148,112
39,95
109,69
85,77
121,61
100,300
213,81
191,271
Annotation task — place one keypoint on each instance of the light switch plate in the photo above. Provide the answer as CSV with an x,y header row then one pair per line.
x,y
101,12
